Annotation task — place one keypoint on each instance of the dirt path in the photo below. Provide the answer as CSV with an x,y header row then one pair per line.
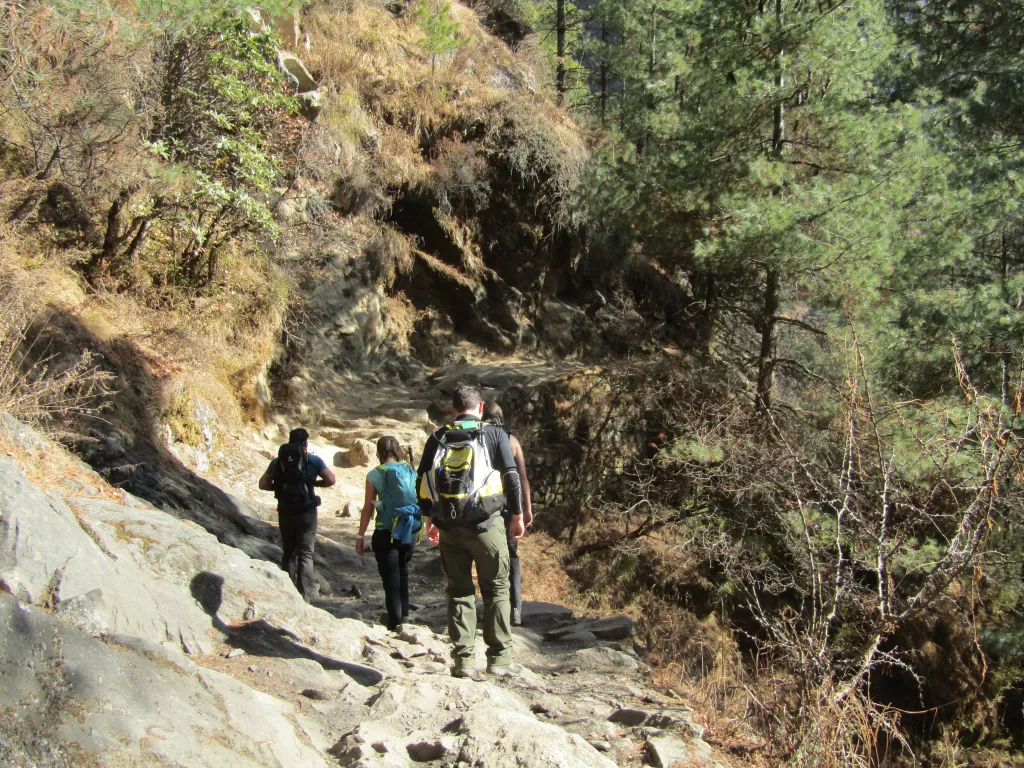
x,y
582,676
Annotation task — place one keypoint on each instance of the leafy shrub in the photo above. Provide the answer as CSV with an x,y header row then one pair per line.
x,y
219,102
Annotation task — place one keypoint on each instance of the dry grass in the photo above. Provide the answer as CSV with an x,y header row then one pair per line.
x,y
544,579
400,316
49,466
218,343
759,713
436,265
394,122
37,384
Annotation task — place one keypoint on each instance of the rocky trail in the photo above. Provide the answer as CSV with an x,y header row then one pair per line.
x,y
139,633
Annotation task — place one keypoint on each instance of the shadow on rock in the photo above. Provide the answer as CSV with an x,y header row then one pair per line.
x,y
208,590
261,638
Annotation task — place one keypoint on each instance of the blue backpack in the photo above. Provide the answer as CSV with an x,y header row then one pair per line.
x,y
399,508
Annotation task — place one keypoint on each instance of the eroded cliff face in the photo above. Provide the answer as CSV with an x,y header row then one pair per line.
x,y
433,216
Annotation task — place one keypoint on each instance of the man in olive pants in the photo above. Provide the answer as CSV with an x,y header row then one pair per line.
x,y
483,544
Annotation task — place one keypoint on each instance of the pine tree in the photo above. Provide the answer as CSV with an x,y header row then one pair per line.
x,y
962,269
762,164
442,33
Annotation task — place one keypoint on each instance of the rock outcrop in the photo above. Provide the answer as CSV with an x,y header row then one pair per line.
x,y
68,698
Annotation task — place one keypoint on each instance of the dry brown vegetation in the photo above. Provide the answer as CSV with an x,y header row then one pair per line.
x,y
825,605
38,383
96,217
452,137
86,255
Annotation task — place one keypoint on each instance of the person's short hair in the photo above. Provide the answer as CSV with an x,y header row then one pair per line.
x,y
388,448
298,435
493,412
466,398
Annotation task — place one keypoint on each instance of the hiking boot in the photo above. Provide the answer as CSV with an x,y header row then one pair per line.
x,y
467,673
517,617
506,670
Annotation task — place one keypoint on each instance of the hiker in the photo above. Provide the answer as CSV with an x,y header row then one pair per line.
x,y
466,476
494,415
292,477
391,490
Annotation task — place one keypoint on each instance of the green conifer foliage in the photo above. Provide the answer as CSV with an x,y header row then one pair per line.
x,y
751,150
442,33
962,266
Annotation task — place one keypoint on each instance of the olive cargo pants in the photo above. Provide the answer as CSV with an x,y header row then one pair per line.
x,y
460,549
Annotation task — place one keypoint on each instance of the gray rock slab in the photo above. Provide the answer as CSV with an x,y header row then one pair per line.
x,y
222,579
293,66
581,638
309,674
605,658
82,702
667,751
156,652
267,639
56,557
614,628
515,740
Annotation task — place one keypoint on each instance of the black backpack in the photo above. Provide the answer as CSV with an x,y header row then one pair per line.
x,y
293,486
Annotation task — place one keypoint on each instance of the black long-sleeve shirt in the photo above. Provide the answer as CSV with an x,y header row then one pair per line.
x,y
499,449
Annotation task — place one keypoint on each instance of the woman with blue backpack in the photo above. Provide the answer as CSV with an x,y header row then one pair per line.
x,y
391,492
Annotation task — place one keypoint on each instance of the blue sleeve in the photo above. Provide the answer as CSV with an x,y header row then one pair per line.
x,y
270,467
317,463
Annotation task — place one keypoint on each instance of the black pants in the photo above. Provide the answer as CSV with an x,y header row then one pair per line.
x,y
393,565
298,535
515,576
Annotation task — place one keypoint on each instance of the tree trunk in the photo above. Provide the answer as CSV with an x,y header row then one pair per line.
x,y
603,73
779,116
131,255
707,315
211,267
560,50
1004,256
112,238
766,357
652,59
766,323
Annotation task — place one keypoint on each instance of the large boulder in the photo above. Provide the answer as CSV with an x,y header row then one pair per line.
x,y
500,739
362,453
560,325
48,557
70,699
296,72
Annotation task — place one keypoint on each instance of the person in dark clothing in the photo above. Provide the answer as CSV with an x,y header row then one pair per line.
x,y
298,525
392,556
494,415
481,543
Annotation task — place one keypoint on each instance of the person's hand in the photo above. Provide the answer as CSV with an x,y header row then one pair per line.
x,y
516,529
433,535
360,546
528,518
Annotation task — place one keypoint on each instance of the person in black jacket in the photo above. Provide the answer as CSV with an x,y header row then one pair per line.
x,y
297,524
494,415
482,544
